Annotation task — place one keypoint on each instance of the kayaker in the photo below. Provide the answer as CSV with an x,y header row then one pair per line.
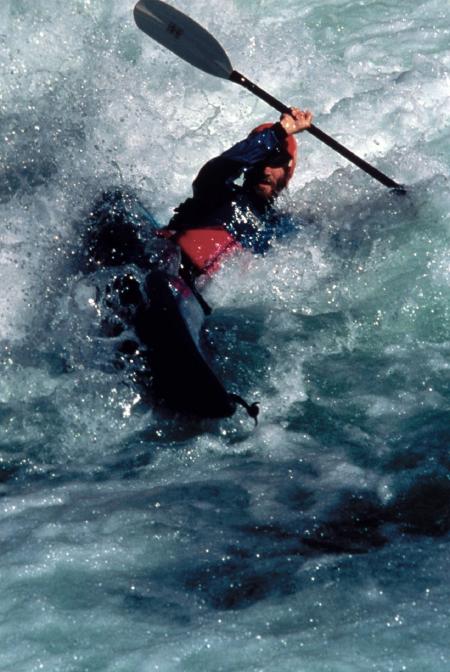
x,y
222,216
139,295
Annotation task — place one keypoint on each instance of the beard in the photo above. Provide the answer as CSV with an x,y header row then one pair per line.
x,y
263,185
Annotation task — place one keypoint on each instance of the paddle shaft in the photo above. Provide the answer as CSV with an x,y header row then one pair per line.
x,y
320,135
186,38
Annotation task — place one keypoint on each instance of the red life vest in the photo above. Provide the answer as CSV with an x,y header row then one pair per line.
x,y
205,248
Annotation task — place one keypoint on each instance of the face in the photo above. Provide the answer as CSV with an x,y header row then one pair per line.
x,y
267,181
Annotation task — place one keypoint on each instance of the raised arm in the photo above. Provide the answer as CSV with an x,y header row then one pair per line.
x,y
220,172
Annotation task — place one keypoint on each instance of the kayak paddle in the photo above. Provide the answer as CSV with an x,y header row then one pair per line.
x,y
187,39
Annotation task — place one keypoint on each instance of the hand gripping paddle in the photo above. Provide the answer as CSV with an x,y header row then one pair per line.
x,y
187,39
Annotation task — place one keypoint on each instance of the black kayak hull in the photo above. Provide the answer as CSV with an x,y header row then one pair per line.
x,y
182,378
147,296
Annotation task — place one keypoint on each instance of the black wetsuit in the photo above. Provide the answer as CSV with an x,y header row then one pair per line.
x,y
218,201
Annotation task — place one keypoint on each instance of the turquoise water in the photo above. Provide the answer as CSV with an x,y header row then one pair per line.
x,y
319,541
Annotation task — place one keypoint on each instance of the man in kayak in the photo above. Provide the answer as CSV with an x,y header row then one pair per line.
x,y
150,295
222,216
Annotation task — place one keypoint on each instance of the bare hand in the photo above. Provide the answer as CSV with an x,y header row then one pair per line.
x,y
297,121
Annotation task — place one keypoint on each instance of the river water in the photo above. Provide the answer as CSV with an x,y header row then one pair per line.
x,y
317,542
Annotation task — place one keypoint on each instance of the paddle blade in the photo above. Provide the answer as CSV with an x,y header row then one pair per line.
x,y
183,36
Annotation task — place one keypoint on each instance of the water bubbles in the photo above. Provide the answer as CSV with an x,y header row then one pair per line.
x,y
395,622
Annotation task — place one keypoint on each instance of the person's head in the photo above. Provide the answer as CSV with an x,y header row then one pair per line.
x,y
268,179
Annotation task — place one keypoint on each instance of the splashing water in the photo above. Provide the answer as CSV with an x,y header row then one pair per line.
x,y
319,541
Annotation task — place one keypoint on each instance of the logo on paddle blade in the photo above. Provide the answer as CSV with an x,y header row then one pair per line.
x,y
174,30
